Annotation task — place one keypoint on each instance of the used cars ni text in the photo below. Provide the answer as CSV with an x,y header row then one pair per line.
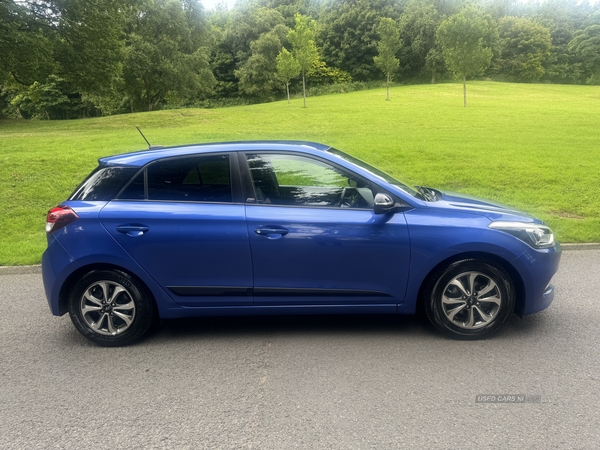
x,y
284,227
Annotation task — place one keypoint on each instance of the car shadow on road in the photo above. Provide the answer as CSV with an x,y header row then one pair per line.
x,y
256,326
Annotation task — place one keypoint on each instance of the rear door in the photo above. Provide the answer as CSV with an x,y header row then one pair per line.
x,y
182,219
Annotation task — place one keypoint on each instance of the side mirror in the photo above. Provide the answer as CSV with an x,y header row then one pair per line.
x,y
383,203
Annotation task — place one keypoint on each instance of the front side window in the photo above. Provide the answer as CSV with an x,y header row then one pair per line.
x,y
297,180
378,173
203,178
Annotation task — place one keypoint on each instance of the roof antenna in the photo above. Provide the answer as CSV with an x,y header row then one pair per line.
x,y
150,146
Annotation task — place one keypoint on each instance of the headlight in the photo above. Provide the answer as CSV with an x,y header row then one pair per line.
x,y
538,236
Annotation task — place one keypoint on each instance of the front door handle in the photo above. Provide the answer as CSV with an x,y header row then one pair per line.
x,y
271,231
132,230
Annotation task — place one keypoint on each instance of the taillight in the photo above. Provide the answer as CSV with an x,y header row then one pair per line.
x,y
59,217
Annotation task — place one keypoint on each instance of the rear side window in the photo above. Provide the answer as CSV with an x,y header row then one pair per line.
x,y
203,178
103,183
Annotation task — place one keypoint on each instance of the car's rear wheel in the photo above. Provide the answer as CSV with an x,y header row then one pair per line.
x,y
470,299
111,308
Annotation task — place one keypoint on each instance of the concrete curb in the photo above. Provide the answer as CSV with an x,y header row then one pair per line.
x,y
592,246
22,270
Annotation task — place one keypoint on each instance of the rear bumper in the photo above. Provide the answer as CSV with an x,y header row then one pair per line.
x,y
55,262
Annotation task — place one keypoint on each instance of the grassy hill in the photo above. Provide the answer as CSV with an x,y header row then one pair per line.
x,y
534,147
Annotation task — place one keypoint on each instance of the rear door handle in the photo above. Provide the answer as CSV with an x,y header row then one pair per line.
x,y
132,230
271,231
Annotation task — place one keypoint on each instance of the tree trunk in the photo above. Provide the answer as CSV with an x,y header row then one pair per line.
x,y
304,88
465,89
387,86
287,86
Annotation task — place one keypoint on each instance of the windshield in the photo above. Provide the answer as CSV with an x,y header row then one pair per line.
x,y
378,173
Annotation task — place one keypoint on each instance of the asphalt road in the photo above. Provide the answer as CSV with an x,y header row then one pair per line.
x,y
306,383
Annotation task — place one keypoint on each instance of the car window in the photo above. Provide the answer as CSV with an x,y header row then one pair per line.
x,y
103,184
203,178
296,180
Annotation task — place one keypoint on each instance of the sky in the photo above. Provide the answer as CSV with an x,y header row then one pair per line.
x,y
211,4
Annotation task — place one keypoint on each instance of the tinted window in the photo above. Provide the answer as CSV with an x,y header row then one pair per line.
x,y
198,179
136,189
103,183
376,172
298,180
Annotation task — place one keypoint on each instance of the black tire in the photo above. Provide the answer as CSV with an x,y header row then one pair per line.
x,y
470,299
111,308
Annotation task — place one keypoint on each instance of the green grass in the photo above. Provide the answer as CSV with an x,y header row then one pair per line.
x,y
534,147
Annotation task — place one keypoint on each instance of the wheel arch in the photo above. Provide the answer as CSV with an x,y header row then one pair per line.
x,y
75,276
490,257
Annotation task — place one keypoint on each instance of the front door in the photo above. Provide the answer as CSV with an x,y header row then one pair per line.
x,y
315,239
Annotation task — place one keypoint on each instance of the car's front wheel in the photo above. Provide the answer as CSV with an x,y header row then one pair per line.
x,y
111,308
470,299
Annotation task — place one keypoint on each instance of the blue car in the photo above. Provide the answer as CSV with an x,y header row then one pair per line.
x,y
282,227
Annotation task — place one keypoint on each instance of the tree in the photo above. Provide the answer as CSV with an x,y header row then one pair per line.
x,y
258,75
162,59
348,35
467,39
304,49
25,46
586,45
387,47
234,32
562,66
91,44
418,25
53,99
287,68
525,47
434,64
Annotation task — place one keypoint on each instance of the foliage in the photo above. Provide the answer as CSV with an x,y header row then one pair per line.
x,y
563,66
343,88
586,45
245,26
258,75
90,48
435,66
287,68
25,46
117,56
525,48
418,25
320,73
348,35
53,99
467,39
304,49
387,48
161,58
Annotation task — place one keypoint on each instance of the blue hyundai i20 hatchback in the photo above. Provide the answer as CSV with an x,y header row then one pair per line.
x,y
282,227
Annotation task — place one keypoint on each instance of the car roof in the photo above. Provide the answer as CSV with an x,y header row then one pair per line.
x,y
141,158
